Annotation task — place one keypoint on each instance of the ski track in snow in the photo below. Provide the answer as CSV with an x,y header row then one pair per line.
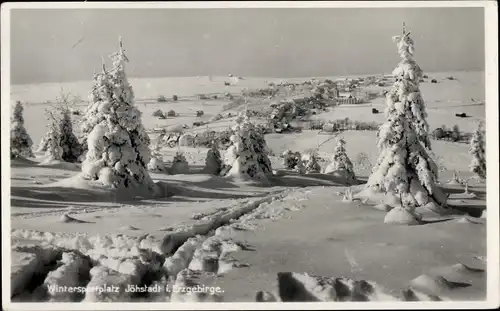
x,y
178,259
71,209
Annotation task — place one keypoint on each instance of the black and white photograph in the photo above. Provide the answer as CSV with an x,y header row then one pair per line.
x,y
269,155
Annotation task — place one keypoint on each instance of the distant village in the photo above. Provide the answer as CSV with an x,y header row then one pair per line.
x,y
323,94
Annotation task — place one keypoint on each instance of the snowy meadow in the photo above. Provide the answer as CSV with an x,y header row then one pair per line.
x,y
354,188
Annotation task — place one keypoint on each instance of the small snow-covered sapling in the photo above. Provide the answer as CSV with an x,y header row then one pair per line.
x,y
348,197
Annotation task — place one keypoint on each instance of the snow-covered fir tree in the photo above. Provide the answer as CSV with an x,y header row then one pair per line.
x,y
291,159
51,141
407,89
288,159
466,186
310,162
44,142
455,179
54,151
20,141
93,115
347,197
213,161
72,148
340,163
156,163
477,151
299,167
404,168
179,164
118,145
248,154
229,156
260,147
42,146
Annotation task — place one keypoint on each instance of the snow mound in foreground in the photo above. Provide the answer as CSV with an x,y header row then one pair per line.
x,y
401,216
265,296
113,283
433,208
65,218
435,284
71,273
213,257
411,294
96,247
27,261
24,266
374,196
156,165
383,207
196,287
304,287
181,258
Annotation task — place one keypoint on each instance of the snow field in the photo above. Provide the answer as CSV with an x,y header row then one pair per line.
x,y
119,260
197,253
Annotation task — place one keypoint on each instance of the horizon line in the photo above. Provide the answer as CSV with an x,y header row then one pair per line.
x,y
251,77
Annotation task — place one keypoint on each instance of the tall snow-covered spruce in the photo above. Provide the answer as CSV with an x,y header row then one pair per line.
x,y
406,89
477,151
20,141
404,171
248,154
118,145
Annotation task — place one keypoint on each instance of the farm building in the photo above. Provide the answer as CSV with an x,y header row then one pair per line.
x,y
347,101
347,98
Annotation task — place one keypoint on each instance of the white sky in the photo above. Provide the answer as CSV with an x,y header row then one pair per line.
x,y
246,42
